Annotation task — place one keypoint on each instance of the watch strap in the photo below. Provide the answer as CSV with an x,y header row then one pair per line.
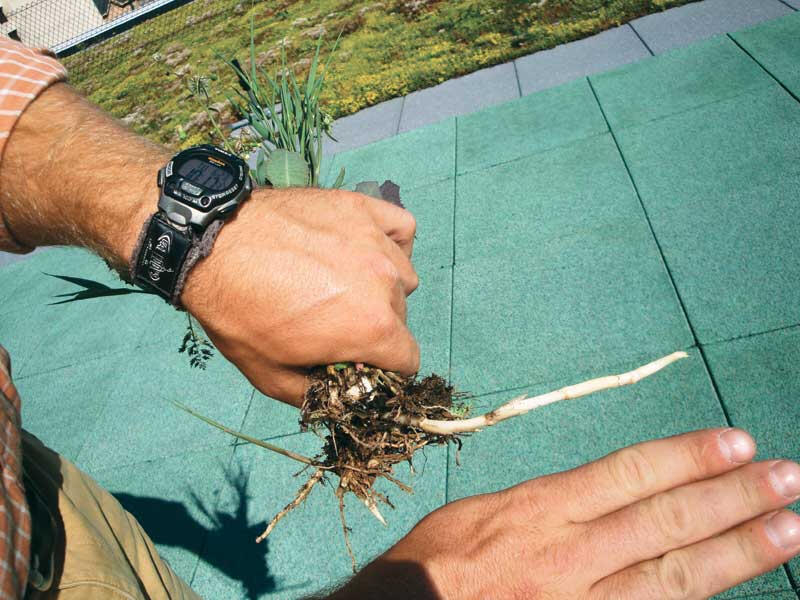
x,y
165,254
199,250
159,256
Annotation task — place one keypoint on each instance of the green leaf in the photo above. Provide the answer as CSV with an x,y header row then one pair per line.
x,y
339,180
261,168
287,169
245,437
369,188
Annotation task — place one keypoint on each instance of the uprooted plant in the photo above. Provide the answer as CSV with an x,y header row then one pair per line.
x,y
371,420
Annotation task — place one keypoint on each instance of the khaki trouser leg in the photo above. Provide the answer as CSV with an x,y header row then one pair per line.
x,y
101,551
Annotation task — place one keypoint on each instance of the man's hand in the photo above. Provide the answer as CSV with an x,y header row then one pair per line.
x,y
299,278
683,517
305,277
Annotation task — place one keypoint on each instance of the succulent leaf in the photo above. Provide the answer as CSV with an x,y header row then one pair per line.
x,y
287,169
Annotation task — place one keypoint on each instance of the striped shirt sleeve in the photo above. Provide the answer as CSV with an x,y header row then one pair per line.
x,y
24,74
15,518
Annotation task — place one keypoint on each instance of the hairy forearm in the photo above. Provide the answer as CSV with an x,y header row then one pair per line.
x,y
72,175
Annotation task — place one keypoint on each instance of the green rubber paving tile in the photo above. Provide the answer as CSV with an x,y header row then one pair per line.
x,y
677,81
776,46
599,297
306,550
141,423
411,160
757,380
429,321
25,285
790,595
174,500
722,201
432,206
544,120
527,203
570,433
777,596
165,326
325,170
794,565
21,333
60,407
268,418
773,584
44,336
74,332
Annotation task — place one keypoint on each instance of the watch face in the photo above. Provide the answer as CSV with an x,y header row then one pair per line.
x,y
205,178
206,175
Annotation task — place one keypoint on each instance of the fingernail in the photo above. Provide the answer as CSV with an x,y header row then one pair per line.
x,y
785,478
783,530
736,445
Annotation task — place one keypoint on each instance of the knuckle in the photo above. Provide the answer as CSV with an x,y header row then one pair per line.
x,y
747,492
746,548
676,576
632,472
671,516
413,281
409,223
697,455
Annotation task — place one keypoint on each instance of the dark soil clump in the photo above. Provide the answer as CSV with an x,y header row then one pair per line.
x,y
356,408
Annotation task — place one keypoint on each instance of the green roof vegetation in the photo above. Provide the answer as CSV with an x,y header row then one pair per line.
x,y
387,49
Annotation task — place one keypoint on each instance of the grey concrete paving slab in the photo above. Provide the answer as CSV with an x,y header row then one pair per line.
x,y
463,95
793,3
607,50
692,22
364,127
7,258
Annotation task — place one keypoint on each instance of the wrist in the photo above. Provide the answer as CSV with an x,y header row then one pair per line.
x,y
71,175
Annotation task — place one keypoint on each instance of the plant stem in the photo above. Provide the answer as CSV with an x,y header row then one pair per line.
x,y
522,404
252,440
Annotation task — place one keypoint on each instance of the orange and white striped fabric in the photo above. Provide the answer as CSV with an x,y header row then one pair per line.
x,y
24,74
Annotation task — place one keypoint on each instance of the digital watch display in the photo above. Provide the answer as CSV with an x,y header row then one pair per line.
x,y
201,184
199,188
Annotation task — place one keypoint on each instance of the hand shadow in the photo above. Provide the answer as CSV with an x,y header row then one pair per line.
x,y
229,545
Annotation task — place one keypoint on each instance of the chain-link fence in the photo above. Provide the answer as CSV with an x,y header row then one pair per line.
x,y
97,34
55,23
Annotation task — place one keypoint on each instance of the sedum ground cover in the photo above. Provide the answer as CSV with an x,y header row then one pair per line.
x,y
387,49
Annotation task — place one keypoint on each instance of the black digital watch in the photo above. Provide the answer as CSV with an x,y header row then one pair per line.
x,y
199,188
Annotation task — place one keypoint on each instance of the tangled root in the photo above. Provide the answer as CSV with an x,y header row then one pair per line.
x,y
356,409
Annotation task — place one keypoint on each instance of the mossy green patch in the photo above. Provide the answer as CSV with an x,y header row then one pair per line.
x,y
386,50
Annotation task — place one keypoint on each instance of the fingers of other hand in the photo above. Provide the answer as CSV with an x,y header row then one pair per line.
x,y
637,472
688,514
711,566
397,223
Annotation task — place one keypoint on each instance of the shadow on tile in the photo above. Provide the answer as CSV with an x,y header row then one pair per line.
x,y
174,524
